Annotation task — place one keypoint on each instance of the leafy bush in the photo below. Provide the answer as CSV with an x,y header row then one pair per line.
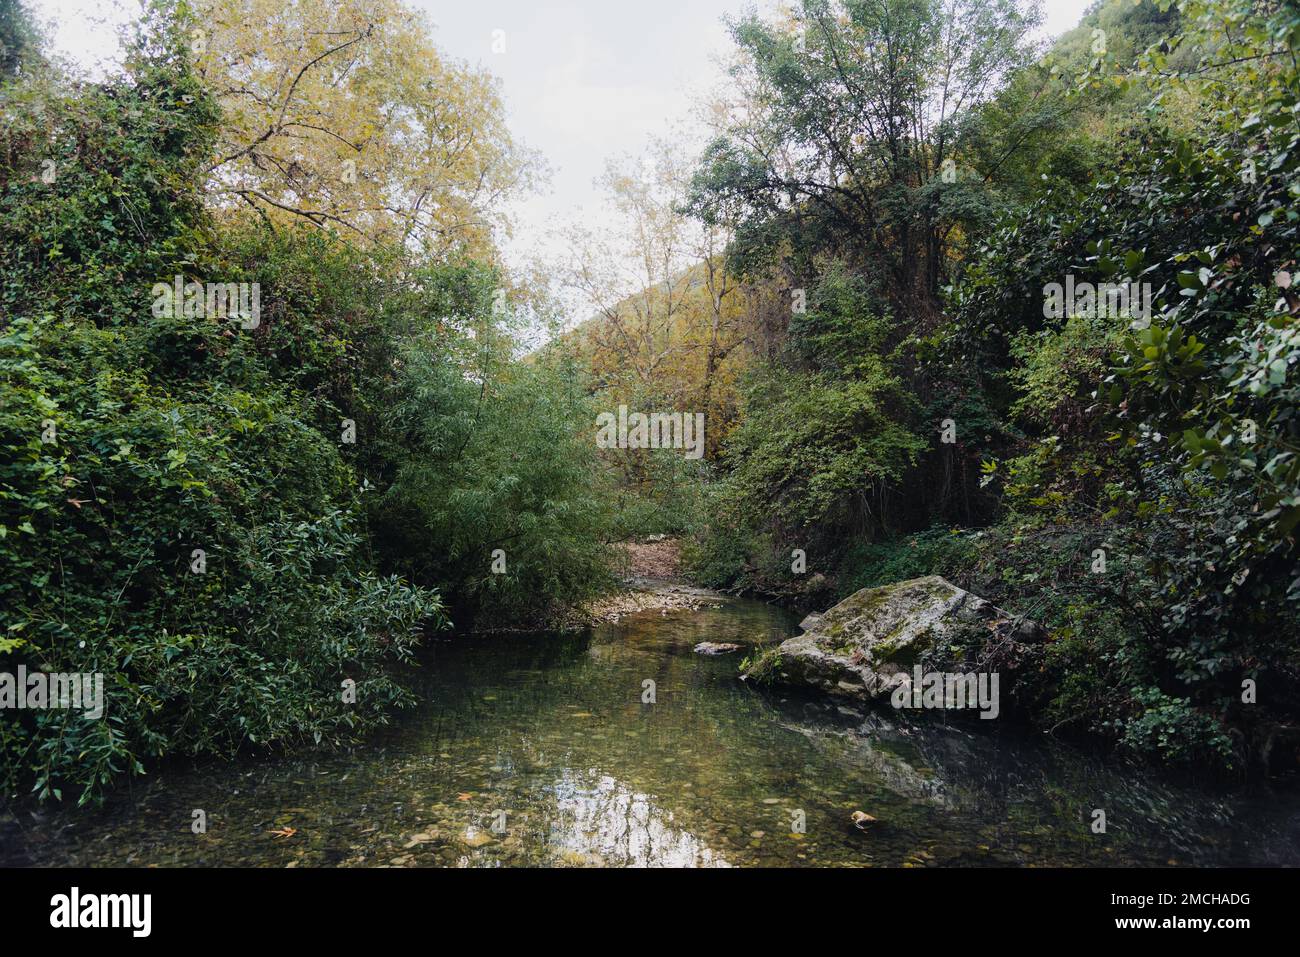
x,y
179,509
936,551
492,457
1174,730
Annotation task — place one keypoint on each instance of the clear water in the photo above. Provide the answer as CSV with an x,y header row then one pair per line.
x,y
548,739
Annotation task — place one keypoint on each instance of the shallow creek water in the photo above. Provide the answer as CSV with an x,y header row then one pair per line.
x,y
538,750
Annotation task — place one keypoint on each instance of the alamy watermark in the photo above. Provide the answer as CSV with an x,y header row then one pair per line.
x,y
945,690
1105,300
49,690
652,430
212,300
75,909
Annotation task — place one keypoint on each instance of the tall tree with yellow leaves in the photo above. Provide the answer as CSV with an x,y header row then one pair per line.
x,y
666,310
345,115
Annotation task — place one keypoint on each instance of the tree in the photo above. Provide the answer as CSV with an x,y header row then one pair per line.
x,y
848,129
347,116
19,37
666,302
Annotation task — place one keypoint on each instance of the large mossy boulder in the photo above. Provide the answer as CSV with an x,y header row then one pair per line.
x,y
860,646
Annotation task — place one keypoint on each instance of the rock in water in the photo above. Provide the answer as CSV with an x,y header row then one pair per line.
x,y
810,622
474,838
715,648
859,647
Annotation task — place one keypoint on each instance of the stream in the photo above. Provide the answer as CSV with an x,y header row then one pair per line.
x,y
531,750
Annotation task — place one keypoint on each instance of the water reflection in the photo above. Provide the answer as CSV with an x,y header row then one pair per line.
x,y
549,737
600,821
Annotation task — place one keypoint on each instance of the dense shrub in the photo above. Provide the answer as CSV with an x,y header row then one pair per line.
x,y
180,508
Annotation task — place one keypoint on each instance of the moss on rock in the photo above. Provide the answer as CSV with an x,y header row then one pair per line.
x,y
858,646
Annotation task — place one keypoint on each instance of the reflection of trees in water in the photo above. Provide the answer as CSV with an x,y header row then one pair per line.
x,y
552,730
700,755
596,813
1027,789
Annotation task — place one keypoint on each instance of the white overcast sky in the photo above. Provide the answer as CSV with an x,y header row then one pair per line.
x,y
583,80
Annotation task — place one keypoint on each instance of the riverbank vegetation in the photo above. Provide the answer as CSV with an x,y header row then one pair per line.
x,y
244,522
898,187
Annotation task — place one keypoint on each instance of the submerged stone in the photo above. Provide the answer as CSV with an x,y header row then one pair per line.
x,y
715,648
473,838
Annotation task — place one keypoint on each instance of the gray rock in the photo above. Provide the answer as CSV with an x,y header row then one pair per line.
x,y
858,647
715,648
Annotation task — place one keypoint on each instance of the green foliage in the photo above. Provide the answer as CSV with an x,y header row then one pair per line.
x,y
1174,730
130,438
761,667
467,449
830,422
493,456
809,443
670,500
850,122
1055,372
722,545
935,551
19,38
1169,440
1161,150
